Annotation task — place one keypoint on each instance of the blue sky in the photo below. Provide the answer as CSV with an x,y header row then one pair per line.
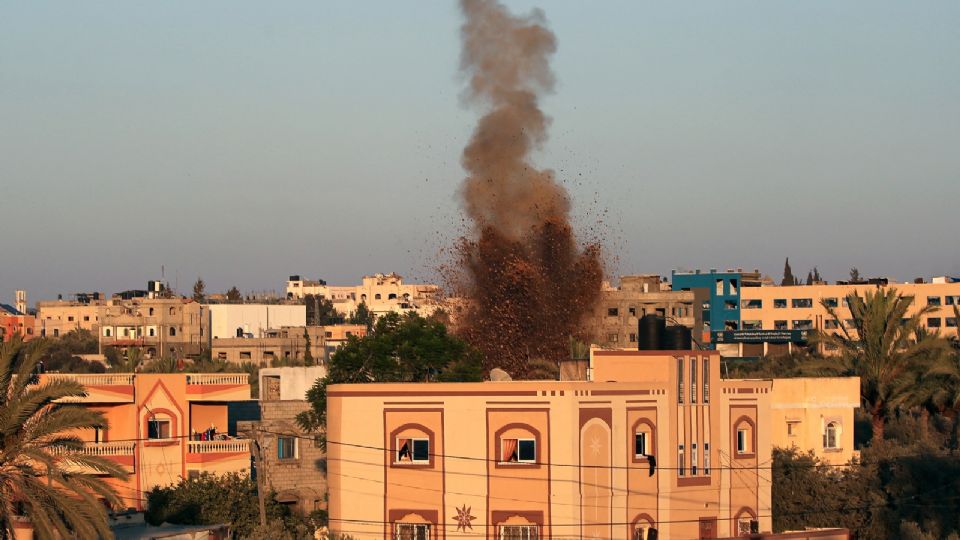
x,y
243,141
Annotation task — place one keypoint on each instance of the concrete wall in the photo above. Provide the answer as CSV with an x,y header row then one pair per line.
x,y
293,381
803,407
225,319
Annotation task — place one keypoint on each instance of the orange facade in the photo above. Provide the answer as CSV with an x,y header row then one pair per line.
x,y
547,459
17,325
160,426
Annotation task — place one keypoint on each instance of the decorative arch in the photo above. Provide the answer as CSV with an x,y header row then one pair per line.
x,y
642,519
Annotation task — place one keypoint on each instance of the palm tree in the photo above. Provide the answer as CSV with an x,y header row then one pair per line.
x,y
41,461
881,346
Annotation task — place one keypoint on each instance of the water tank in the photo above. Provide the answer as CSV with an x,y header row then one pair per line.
x,y
649,332
676,338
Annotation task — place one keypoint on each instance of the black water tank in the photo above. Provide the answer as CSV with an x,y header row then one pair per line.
x,y
649,332
676,338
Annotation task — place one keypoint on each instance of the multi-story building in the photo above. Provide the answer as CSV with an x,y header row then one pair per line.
x,y
57,317
776,318
381,293
287,343
655,439
164,427
615,317
292,464
717,297
816,414
158,326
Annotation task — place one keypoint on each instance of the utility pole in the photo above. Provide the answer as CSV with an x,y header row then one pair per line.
x,y
258,461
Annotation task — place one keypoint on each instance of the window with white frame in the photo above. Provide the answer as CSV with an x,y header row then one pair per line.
x,y
743,440
410,450
640,443
411,531
518,450
519,532
831,436
158,428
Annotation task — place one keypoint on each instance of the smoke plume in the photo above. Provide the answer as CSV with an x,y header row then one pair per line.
x,y
527,282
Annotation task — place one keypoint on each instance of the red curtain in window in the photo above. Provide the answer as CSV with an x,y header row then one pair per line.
x,y
404,450
509,448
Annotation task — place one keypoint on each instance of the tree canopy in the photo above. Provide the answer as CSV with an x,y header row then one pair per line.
x,y
400,348
43,470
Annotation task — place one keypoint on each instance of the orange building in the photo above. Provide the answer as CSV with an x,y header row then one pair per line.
x,y
548,459
160,425
16,324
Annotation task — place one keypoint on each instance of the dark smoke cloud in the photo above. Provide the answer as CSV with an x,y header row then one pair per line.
x,y
527,283
507,61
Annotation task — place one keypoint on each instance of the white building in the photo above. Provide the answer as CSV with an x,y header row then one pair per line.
x,y
382,293
250,320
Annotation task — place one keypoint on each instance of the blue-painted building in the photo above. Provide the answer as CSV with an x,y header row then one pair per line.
x,y
717,296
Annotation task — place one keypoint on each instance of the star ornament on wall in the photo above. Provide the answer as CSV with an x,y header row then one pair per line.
x,y
464,518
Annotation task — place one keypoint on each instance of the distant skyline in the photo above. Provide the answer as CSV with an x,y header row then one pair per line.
x,y
244,144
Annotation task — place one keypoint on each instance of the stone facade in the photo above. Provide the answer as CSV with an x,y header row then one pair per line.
x,y
297,474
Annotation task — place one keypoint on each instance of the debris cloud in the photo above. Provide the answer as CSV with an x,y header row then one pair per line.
x,y
526,281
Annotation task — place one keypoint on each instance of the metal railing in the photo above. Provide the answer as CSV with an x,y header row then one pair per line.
x,y
212,447
217,378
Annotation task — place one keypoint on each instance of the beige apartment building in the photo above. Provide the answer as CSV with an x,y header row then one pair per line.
x,y
655,439
616,316
286,343
158,326
58,317
795,310
382,293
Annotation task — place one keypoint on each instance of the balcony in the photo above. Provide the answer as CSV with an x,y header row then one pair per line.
x,y
121,452
219,447
100,387
231,455
218,386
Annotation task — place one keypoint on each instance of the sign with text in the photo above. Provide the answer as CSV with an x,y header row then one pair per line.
x,y
760,336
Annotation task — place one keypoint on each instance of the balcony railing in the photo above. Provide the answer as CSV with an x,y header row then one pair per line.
x,y
93,379
216,447
104,449
217,378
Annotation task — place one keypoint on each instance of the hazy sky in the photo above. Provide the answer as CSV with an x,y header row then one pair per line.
x,y
246,141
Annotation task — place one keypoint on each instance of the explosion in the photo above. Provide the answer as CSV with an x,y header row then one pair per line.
x,y
526,281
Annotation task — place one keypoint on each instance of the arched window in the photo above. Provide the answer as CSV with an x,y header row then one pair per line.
x,y
517,445
743,522
412,446
640,528
744,437
173,311
107,332
150,312
831,436
173,331
152,331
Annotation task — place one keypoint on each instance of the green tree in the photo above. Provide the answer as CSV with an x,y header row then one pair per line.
x,y
228,498
320,311
880,347
234,296
401,348
788,278
41,452
307,353
362,315
200,290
